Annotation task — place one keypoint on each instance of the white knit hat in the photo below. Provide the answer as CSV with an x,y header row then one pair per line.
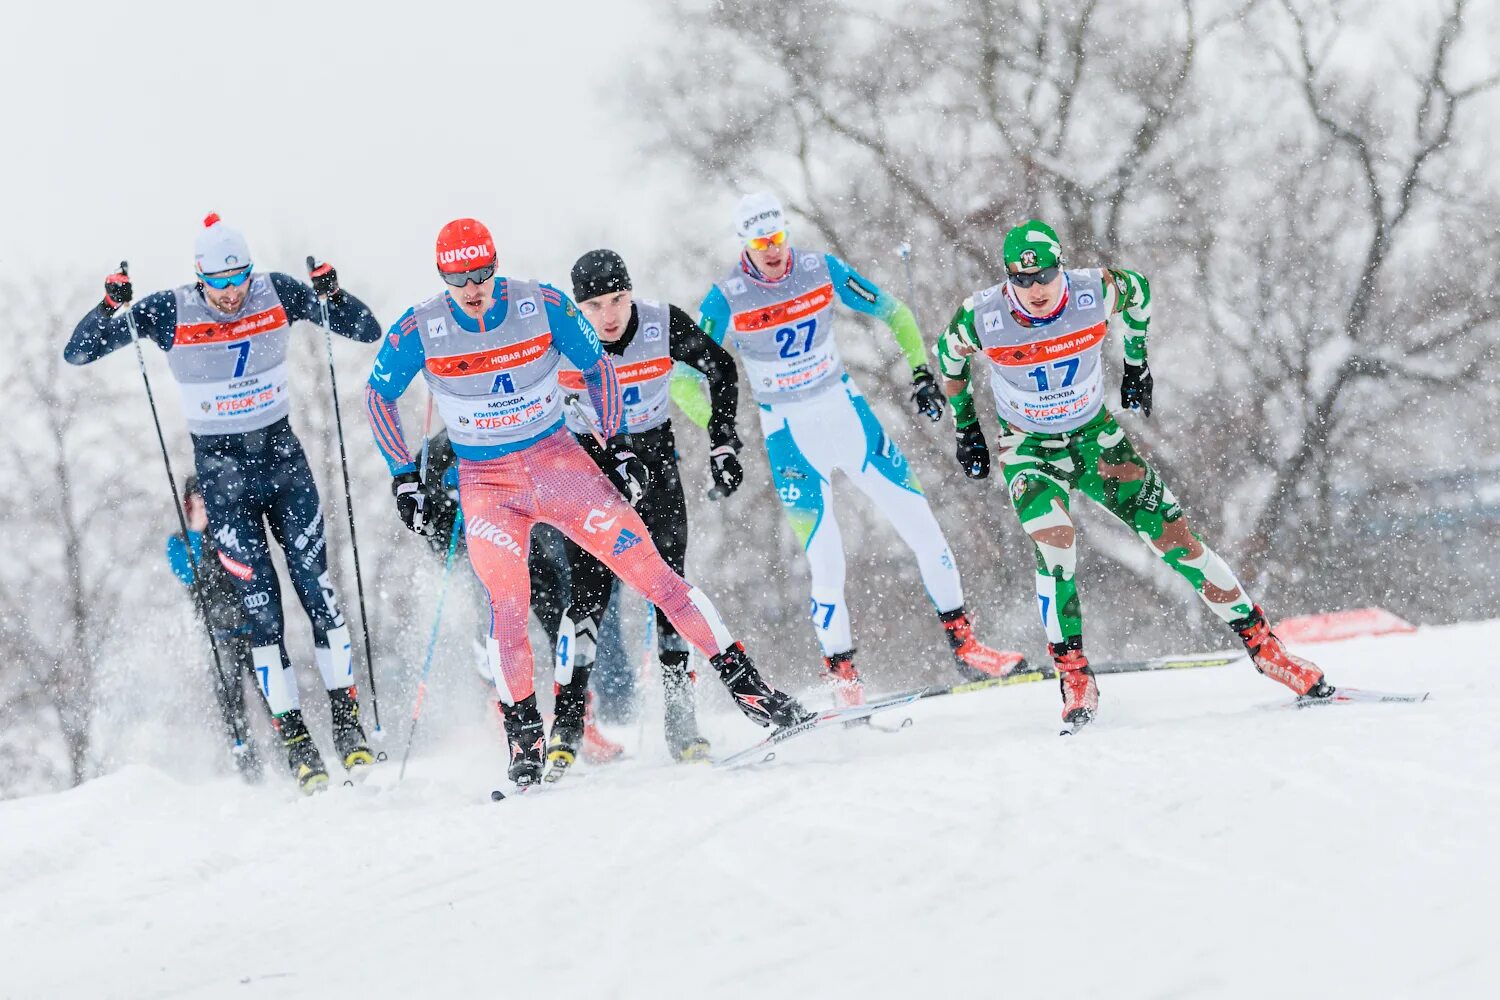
x,y
219,247
758,214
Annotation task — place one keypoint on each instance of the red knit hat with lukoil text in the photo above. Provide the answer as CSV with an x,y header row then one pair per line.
x,y
463,245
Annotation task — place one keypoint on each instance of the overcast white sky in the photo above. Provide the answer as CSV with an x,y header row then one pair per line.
x,y
350,130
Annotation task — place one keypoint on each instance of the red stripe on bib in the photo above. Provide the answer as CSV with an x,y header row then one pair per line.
x,y
783,313
1066,346
499,359
215,333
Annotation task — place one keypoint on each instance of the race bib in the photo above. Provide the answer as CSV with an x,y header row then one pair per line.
x,y
236,398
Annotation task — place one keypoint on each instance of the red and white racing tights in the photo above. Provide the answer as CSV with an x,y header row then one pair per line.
x,y
555,481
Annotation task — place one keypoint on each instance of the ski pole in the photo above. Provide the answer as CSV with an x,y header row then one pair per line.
x,y
416,709
585,419
140,360
904,250
359,581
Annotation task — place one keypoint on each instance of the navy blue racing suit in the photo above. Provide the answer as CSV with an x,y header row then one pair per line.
x,y
255,478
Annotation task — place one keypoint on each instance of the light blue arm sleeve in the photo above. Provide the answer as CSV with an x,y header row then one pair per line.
x,y
713,314
180,561
574,337
399,360
858,292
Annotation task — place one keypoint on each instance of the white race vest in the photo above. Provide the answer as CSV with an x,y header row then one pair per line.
x,y
1046,379
784,331
231,369
498,386
644,371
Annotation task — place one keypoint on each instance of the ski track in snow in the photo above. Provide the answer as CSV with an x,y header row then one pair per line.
x,y
1195,842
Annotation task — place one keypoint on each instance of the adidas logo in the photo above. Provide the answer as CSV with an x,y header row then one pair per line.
x,y
627,540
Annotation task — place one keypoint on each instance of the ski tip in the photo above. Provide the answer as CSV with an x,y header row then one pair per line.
x,y
348,782
380,756
497,796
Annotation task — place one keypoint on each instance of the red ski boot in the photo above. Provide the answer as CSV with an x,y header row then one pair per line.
x,y
597,748
974,660
1080,692
848,689
1271,658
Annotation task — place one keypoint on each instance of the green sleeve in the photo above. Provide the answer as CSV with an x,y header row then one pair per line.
x,y
904,328
1132,303
687,392
956,368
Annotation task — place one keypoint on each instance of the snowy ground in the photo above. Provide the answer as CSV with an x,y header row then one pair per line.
x,y
1196,842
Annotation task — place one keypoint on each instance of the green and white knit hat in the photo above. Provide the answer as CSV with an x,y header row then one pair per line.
x,y
1032,246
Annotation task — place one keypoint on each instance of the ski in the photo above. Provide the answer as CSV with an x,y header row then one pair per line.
x,y
762,752
1348,695
1026,675
1165,663
1072,728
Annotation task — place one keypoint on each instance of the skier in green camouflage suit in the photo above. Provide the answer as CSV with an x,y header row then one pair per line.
x,y
1041,334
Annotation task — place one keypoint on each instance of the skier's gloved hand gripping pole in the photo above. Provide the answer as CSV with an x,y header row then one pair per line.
x,y
625,470
325,282
411,499
925,392
117,295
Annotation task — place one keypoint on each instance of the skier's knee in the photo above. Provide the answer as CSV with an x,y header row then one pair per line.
x,y
1054,534
1178,535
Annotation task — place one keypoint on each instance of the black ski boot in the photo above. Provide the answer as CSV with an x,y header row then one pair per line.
x,y
348,736
569,708
302,755
525,737
683,739
761,703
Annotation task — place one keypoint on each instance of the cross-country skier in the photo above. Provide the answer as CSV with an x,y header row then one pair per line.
x,y
1041,334
642,339
547,567
195,561
226,336
777,305
490,349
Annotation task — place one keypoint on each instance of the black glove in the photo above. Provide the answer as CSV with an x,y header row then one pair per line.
x,y
625,469
117,291
926,394
325,280
439,513
973,453
1135,389
724,466
407,488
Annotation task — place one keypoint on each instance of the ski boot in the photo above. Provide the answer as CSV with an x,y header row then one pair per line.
x,y
683,739
760,702
1270,657
1080,692
570,706
597,748
302,755
525,737
848,689
348,735
973,659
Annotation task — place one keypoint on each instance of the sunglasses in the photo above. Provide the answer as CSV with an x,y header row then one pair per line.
x,y
1042,277
459,279
235,278
766,242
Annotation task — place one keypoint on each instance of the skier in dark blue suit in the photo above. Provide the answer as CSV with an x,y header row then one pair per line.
x,y
226,337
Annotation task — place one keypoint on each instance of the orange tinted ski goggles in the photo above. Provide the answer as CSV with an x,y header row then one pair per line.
x,y
766,242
